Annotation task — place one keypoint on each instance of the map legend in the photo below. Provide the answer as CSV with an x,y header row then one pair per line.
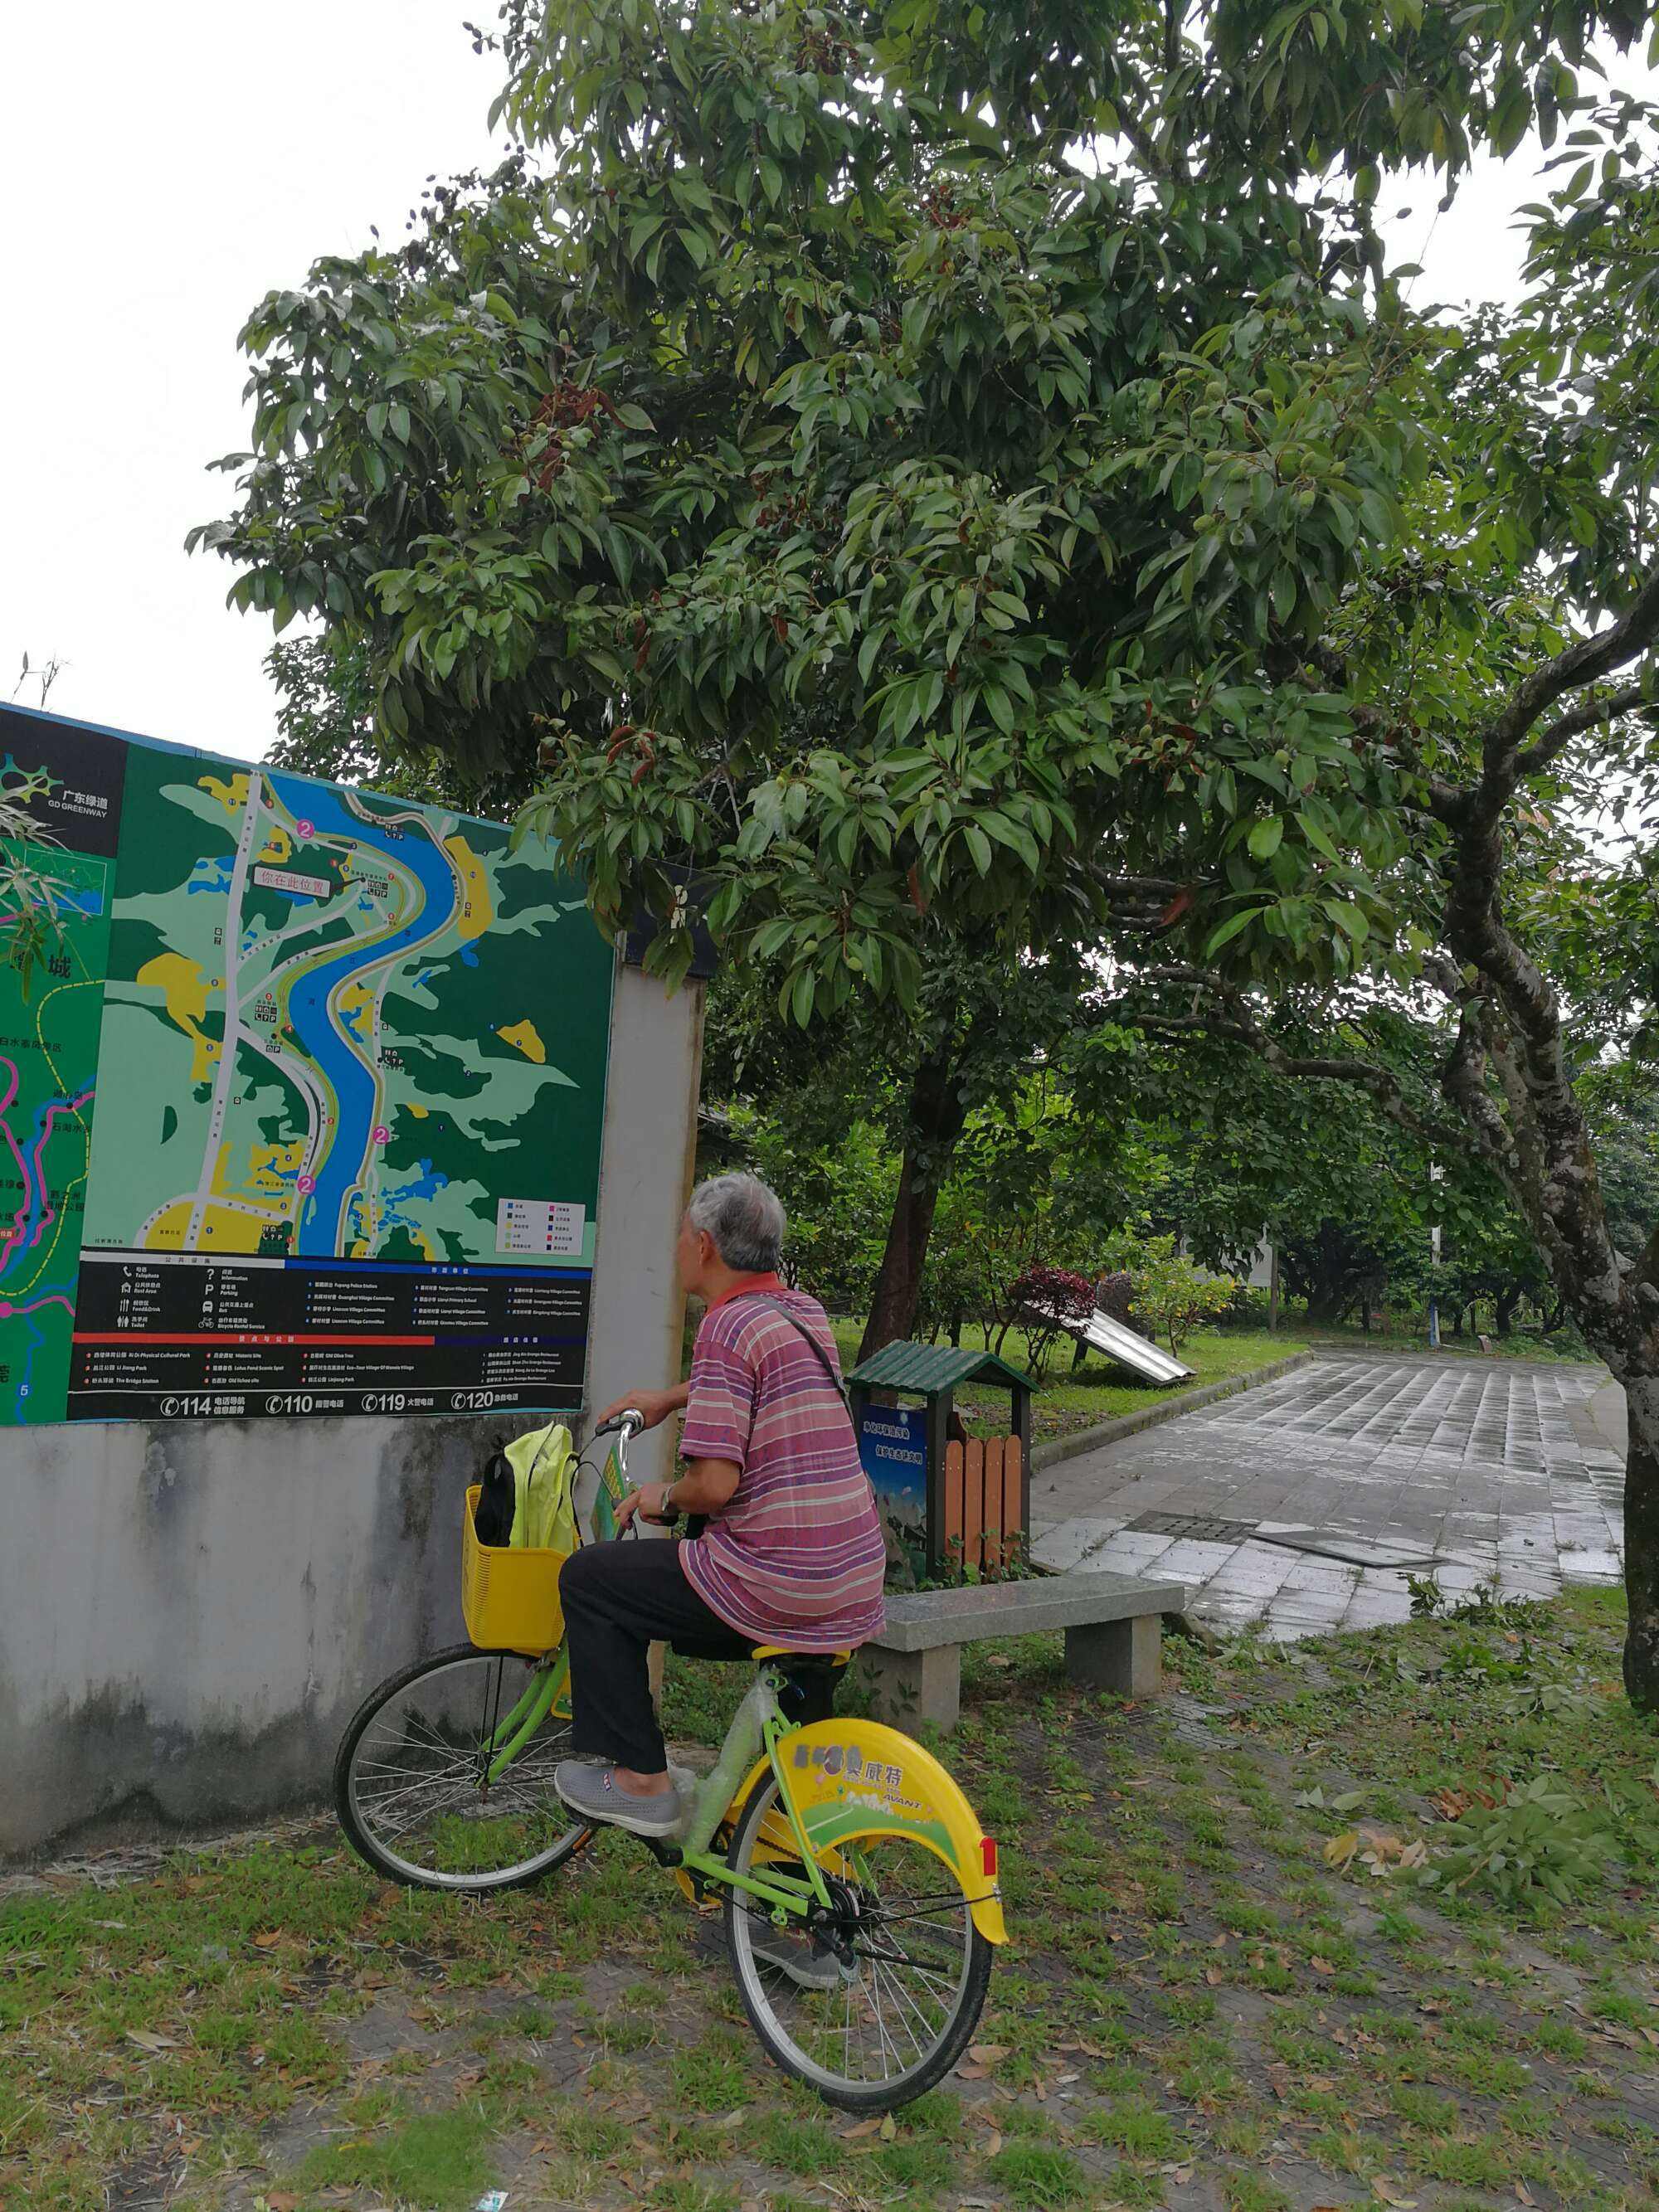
x,y
538,1224
188,1336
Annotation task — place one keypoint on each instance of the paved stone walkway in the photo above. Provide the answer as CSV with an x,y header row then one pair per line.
x,y
1360,1471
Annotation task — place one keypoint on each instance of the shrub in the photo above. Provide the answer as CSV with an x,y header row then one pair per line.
x,y
1173,1292
1048,1298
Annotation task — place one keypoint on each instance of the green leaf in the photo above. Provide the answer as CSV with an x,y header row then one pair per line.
x,y
978,846
1230,928
1266,838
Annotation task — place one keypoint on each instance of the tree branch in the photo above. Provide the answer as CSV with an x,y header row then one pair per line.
x,y
1560,735
1237,1025
1586,661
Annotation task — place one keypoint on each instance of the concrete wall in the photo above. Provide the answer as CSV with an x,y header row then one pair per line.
x,y
190,1612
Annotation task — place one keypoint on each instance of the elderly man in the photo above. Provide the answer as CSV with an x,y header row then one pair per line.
x,y
790,1549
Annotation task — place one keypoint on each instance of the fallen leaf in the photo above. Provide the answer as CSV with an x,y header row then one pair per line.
x,y
1524,2194
1390,2192
888,2128
1064,2078
1320,1966
864,2128
272,1936
970,2073
987,2053
282,2200
146,2041
1041,2094
1213,1975
992,2144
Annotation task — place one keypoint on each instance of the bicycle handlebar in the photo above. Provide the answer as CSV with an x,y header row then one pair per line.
x,y
630,1422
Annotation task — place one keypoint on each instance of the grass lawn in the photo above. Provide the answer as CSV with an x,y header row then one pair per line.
x,y
1211,1999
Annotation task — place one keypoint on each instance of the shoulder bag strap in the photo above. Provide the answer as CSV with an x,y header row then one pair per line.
x,y
807,1338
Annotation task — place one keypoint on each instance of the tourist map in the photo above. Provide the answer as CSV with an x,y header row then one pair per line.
x,y
303,1094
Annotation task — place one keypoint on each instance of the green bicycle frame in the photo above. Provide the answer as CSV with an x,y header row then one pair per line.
x,y
510,1733
758,1723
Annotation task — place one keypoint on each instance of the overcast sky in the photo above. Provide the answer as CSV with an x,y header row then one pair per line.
x,y
166,165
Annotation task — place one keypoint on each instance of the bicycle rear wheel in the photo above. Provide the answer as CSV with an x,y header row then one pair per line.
x,y
881,2013
412,1783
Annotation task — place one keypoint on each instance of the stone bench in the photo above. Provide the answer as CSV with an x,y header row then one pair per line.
x,y
1112,1624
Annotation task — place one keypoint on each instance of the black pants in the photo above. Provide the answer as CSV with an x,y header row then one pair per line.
x,y
620,1597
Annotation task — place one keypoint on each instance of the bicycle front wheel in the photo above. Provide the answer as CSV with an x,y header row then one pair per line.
x,y
880,2007
413,1782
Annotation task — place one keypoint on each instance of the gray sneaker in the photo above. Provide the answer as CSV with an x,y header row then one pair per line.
x,y
810,1964
593,1792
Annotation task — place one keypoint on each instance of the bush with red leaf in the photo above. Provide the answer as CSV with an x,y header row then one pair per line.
x,y
1048,1298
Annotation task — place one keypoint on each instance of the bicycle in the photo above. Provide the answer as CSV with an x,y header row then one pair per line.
x,y
862,1966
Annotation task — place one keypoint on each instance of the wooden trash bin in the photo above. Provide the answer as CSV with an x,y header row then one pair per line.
x,y
959,1510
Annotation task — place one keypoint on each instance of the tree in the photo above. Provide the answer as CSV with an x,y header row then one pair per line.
x,y
957,552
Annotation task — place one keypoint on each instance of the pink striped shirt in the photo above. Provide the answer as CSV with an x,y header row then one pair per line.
x,y
796,1554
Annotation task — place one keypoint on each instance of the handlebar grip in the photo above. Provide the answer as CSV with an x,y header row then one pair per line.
x,y
630,1422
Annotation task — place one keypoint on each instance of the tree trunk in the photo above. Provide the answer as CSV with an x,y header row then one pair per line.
x,y
1641,1543
1503,1312
932,1124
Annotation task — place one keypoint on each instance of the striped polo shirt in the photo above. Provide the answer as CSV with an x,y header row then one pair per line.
x,y
796,1554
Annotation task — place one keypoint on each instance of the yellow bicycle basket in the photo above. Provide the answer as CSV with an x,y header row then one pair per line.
x,y
509,1594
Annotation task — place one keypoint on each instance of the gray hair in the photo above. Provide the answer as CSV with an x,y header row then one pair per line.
x,y
745,1219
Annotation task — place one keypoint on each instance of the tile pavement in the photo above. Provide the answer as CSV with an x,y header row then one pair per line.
x,y
1465,1469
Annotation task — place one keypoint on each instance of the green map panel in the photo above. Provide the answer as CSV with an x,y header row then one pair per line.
x,y
303,1099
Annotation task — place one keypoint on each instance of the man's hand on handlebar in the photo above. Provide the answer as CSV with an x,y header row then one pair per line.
x,y
654,1405
649,1502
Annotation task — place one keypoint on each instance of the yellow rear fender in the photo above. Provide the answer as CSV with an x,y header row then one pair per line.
x,y
853,1779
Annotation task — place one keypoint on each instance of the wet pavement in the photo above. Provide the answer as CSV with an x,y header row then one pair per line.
x,y
1303,1505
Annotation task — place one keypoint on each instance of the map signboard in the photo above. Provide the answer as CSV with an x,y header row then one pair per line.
x,y
302,1099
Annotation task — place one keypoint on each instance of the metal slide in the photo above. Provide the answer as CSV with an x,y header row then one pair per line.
x,y
1124,1345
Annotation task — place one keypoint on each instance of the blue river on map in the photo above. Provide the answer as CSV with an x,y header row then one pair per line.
x,y
353,1084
